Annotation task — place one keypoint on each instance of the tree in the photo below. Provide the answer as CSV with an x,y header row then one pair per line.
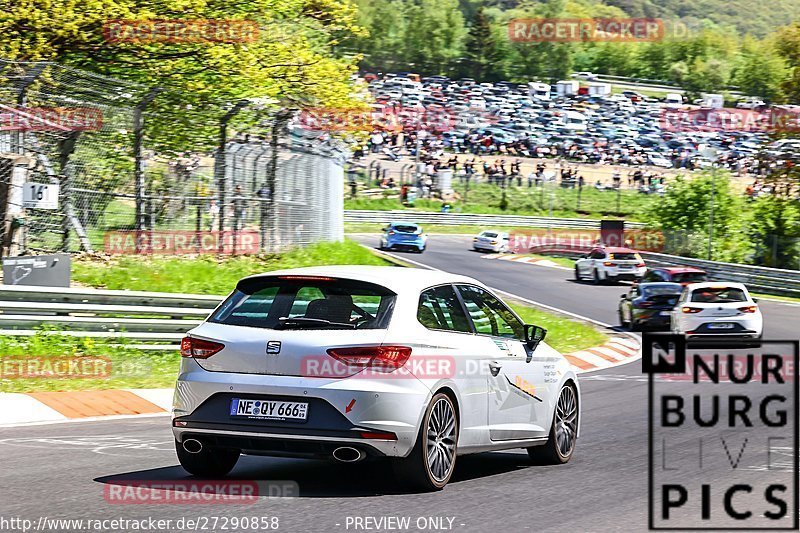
x,y
684,212
481,47
774,229
291,57
760,69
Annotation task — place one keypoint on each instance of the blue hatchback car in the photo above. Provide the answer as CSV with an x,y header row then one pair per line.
x,y
403,236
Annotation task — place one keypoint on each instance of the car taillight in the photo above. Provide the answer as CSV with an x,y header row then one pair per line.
x,y
640,265
380,357
494,242
391,233
645,303
691,310
609,264
749,309
199,348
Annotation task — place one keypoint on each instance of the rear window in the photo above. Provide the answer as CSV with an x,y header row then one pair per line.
x,y
405,229
659,291
718,295
624,256
299,302
689,277
489,234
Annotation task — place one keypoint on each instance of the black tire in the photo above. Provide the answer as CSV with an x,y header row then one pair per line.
x,y
596,277
577,276
550,453
415,471
209,462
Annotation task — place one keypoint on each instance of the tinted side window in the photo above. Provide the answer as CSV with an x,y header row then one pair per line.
x,y
489,315
439,308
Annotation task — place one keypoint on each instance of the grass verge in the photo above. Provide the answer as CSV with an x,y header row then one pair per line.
x,y
533,201
52,362
208,274
564,334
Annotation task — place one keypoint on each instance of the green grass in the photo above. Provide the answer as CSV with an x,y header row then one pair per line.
x,y
560,261
96,364
207,274
564,334
487,199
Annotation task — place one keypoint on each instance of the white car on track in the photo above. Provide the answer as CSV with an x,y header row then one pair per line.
x,y
491,241
607,264
716,310
415,366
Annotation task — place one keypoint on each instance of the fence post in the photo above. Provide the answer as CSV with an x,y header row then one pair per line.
x,y
281,119
138,170
219,167
66,148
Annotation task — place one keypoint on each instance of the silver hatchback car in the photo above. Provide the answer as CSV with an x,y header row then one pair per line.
x,y
353,362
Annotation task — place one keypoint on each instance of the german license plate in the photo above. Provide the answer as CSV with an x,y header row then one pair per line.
x,y
268,409
721,325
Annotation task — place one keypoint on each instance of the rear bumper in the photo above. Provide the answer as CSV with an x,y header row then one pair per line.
x,y
406,246
202,402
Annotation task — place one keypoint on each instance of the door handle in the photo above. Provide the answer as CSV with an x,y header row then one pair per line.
x,y
494,368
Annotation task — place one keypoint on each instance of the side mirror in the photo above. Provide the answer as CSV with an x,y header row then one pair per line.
x,y
583,256
755,300
534,335
623,296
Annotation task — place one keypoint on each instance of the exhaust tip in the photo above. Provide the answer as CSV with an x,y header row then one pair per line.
x,y
346,454
192,445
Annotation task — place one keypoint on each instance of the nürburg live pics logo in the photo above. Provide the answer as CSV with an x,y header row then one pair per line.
x,y
722,433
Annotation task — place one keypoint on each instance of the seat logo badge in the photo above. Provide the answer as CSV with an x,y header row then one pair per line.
x,y
273,347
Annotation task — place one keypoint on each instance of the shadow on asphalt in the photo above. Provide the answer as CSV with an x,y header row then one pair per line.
x,y
326,479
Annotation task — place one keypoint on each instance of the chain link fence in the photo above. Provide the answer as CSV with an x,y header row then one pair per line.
x,y
113,186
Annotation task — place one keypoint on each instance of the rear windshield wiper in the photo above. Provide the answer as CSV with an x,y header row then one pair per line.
x,y
310,323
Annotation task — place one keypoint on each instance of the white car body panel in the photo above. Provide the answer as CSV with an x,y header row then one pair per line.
x,y
496,412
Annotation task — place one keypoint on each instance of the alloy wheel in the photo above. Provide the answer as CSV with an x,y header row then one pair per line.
x,y
566,421
441,439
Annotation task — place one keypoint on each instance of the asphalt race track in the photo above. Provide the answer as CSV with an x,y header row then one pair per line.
x,y
61,470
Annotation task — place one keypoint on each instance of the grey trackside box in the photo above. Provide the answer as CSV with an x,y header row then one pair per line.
x,y
39,270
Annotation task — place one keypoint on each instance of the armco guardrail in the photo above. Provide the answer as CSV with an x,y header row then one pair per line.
x,y
133,315
473,219
760,279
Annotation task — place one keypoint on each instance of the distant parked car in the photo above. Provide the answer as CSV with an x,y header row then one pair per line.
x,y
610,264
403,236
491,241
648,305
682,275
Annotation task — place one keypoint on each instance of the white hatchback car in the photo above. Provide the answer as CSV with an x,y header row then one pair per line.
x,y
351,362
491,241
716,310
